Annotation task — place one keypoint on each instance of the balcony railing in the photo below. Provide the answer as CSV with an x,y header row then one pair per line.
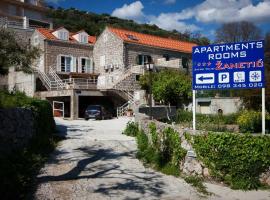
x,y
174,64
80,83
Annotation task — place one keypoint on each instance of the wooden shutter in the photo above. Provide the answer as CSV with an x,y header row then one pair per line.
x,y
73,64
80,65
88,66
58,63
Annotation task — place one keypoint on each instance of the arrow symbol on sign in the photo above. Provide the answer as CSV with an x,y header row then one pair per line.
x,y
202,78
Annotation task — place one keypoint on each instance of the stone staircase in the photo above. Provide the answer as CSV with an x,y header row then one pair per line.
x,y
127,84
50,80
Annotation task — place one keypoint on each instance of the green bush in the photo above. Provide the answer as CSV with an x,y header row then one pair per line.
x,y
161,150
131,129
236,159
251,121
42,110
19,167
186,117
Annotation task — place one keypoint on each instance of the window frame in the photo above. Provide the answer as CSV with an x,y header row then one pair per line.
x,y
90,67
61,67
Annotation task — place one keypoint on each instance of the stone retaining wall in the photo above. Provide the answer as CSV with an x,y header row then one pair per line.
x,y
16,128
190,165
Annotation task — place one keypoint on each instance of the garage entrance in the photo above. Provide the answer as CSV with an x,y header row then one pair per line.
x,y
104,101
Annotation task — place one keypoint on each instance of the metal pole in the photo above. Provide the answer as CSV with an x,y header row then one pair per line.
x,y
150,91
194,109
263,111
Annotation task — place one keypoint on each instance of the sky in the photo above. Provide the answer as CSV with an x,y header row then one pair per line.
x,y
196,16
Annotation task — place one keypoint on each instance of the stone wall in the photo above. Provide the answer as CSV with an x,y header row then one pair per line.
x,y
53,49
190,165
3,82
110,46
16,128
159,112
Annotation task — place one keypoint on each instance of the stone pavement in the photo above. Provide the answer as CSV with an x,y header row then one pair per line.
x,y
97,162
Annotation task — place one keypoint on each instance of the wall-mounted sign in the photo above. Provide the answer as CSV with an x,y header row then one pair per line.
x,y
228,66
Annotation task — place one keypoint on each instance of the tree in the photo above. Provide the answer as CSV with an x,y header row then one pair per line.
x,y
15,53
169,86
237,32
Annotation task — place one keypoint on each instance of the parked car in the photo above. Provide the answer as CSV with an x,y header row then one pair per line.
x,y
97,112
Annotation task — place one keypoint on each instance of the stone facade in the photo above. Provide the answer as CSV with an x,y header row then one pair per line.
x,y
120,55
110,48
132,51
52,49
16,128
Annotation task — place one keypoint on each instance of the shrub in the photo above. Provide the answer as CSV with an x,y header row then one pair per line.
x,y
161,150
183,116
142,144
19,167
234,158
186,116
131,129
251,121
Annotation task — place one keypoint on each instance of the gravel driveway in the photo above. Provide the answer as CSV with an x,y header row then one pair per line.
x,y
97,162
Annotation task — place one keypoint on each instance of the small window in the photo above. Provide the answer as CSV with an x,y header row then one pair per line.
x,y
83,38
66,63
138,77
86,65
143,59
132,37
102,61
167,57
63,35
185,62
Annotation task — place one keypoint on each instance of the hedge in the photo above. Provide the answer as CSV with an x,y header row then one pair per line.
x,y
236,159
249,121
19,167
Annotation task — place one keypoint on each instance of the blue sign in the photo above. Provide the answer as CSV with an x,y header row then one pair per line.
x,y
228,66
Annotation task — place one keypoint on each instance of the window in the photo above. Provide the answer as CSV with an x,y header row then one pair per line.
x,y
143,59
83,38
86,66
185,62
102,61
167,57
105,38
63,35
66,63
132,37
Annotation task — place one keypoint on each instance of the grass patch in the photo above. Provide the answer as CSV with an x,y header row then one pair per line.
x,y
197,182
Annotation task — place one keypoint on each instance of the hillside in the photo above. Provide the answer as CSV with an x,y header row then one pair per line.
x,y
94,24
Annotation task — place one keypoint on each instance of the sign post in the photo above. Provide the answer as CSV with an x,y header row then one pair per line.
x,y
194,109
229,66
263,111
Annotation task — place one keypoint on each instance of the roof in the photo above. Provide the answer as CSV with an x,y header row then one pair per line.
x,y
47,33
154,41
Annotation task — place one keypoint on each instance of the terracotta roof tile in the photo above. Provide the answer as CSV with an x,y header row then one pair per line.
x,y
151,40
47,33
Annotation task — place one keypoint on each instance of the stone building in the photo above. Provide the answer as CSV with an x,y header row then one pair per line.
x,y
76,70
24,13
118,51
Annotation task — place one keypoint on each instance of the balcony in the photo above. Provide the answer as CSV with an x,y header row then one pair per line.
x,y
80,83
172,64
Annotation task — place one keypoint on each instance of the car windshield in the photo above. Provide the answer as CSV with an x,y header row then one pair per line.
x,y
93,108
